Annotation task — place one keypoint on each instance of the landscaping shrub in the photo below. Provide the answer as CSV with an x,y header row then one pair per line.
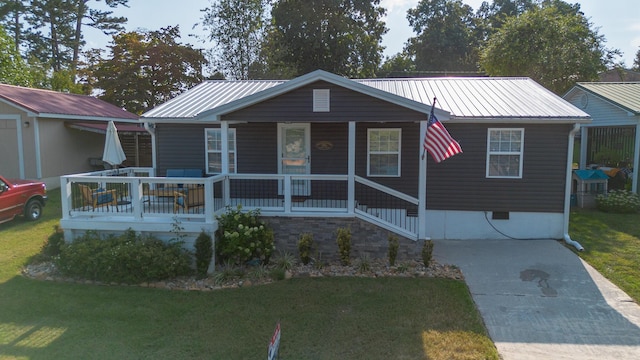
x,y
393,249
305,246
128,258
427,252
204,251
243,237
618,201
344,245
52,246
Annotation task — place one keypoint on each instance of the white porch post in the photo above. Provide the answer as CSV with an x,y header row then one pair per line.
x,y
224,138
351,169
422,185
636,161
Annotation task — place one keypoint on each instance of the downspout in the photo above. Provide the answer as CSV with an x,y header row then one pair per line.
x,y
567,190
151,129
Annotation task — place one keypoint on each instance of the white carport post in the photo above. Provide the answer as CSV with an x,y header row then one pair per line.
x,y
422,185
351,169
636,161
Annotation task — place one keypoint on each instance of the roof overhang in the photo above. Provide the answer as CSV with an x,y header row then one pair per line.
x,y
101,127
515,120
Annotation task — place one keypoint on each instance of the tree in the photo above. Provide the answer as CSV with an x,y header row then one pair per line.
x,y
445,38
343,37
398,65
237,29
11,12
13,69
636,62
563,51
146,69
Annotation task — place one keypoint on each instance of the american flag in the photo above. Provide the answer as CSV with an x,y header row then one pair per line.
x,y
437,140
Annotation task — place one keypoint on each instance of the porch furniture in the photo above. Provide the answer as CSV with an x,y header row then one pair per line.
x,y
97,197
189,198
168,190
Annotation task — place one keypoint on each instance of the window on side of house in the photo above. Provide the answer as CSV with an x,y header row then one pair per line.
x,y
383,152
214,150
504,153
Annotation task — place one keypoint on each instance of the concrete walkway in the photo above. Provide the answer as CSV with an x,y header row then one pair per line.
x,y
541,301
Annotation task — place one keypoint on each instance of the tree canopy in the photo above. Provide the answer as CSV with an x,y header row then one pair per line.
x,y
13,69
343,37
563,51
146,69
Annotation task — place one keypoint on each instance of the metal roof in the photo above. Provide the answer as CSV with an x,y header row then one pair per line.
x,y
480,98
47,103
623,94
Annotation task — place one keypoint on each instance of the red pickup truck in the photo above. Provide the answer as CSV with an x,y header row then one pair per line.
x,y
21,197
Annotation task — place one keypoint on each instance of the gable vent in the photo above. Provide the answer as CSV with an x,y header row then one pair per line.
x,y
321,100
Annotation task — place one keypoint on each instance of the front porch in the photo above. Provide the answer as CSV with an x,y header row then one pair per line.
x,y
171,207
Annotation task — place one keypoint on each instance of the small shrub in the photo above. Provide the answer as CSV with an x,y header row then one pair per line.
x,y
227,272
403,268
364,265
204,251
243,237
258,272
427,252
305,246
393,249
277,274
344,245
285,261
54,243
128,258
618,201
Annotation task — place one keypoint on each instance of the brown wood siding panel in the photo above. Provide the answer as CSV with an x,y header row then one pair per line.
x,y
408,181
346,105
179,146
460,182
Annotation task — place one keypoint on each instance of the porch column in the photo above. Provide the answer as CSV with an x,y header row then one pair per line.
x,y
351,169
636,161
422,185
224,138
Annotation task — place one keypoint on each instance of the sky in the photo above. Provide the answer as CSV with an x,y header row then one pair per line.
x,y
617,20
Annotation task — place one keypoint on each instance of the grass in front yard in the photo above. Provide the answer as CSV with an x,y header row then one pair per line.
x,y
321,318
612,246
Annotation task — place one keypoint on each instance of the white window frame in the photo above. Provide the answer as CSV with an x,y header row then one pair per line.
x,y
510,152
398,153
232,139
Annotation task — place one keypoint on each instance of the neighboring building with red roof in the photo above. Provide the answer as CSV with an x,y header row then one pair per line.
x,y
45,134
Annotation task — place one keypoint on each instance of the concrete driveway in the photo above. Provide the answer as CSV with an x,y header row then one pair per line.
x,y
541,301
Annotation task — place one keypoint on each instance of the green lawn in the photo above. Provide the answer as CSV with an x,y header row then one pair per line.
x,y
612,246
328,318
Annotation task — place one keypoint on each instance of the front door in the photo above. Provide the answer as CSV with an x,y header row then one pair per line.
x,y
294,155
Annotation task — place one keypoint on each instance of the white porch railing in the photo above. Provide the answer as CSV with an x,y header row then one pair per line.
x,y
136,196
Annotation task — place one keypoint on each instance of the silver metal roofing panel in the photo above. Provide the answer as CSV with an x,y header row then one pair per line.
x,y
208,95
472,98
626,95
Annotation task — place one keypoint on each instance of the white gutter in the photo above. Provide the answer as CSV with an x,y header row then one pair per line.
x,y
567,190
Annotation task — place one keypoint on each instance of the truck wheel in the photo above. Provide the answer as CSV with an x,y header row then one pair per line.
x,y
33,210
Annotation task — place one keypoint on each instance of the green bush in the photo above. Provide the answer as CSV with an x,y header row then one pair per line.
x,y
204,251
344,245
243,237
618,201
54,243
427,252
393,249
305,247
128,258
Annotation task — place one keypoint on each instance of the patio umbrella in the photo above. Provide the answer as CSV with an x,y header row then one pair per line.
x,y
113,153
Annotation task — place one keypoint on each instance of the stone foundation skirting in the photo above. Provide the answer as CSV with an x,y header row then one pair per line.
x,y
367,240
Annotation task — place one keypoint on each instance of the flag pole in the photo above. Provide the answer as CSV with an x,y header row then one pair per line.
x,y
424,149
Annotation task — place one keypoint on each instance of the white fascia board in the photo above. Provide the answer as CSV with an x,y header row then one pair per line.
x,y
84,118
511,120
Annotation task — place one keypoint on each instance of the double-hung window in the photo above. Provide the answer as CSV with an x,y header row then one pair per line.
x,y
214,150
383,152
504,153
